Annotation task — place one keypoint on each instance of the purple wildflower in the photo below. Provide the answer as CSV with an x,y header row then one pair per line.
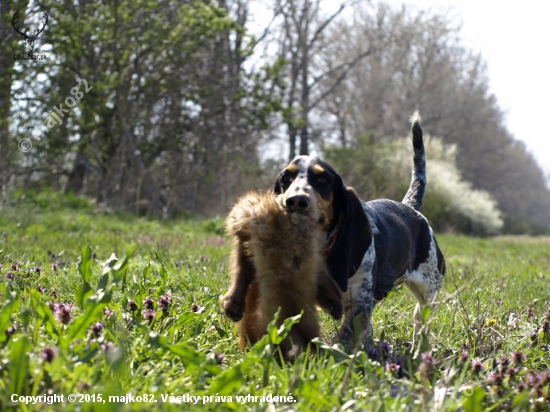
x,y
48,354
512,372
494,378
518,358
393,368
11,330
503,364
63,313
532,379
149,304
149,315
97,328
531,313
132,305
165,302
477,366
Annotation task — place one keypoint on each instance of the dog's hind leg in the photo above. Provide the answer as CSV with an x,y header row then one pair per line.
x,y
420,341
252,325
425,283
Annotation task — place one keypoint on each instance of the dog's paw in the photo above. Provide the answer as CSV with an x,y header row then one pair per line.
x,y
333,308
337,311
331,302
344,338
233,309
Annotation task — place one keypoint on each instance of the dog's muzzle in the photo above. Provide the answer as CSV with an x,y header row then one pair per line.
x,y
297,203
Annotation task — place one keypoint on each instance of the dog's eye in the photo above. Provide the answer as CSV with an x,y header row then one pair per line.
x,y
286,179
322,180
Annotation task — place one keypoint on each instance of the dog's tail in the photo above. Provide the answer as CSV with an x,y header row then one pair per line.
x,y
415,194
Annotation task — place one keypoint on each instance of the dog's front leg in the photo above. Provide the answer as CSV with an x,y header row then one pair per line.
x,y
357,326
358,303
242,273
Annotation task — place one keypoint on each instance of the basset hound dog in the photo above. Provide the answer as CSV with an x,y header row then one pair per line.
x,y
372,246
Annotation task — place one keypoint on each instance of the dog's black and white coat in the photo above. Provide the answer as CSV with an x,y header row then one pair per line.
x,y
371,246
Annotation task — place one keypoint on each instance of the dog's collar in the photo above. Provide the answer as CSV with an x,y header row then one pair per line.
x,y
329,243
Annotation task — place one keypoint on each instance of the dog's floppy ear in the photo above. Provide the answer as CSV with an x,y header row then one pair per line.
x,y
353,237
278,188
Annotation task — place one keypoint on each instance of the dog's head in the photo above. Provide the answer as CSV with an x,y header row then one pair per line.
x,y
308,182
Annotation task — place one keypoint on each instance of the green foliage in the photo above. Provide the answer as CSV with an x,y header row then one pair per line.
x,y
84,268
164,101
185,346
19,360
48,199
474,401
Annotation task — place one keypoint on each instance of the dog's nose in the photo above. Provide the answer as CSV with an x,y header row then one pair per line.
x,y
297,203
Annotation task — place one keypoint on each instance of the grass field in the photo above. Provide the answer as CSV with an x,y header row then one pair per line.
x,y
100,304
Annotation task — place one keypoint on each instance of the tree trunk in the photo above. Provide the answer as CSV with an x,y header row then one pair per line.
x,y
304,137
292,133
7,37
305,47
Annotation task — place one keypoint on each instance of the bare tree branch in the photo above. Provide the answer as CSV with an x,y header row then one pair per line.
x,y
323,26
343,75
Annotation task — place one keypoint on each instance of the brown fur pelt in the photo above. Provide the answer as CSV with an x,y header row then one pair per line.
x,y
277,261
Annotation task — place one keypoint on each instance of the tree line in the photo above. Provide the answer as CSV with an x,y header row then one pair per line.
x,y
179,102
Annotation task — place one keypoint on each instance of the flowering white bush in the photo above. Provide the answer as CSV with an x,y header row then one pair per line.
x,y
466,209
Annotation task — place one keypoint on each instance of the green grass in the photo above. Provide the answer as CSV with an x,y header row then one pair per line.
x,y
493,304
